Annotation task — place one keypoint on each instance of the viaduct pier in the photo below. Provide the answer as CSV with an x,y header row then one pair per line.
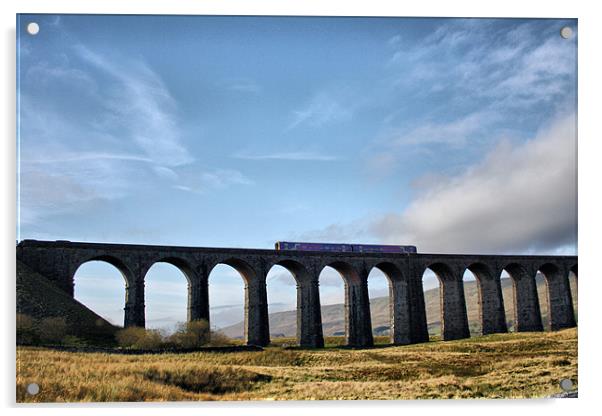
x,y
59,260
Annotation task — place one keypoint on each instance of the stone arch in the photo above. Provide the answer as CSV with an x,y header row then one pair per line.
x,y
558,297
246,271
309,318
399,302
527,313
114,261
441,270
256,323
348,272
180,263
299,271
358,325
492,316
391,270
454,319
183,268
120,267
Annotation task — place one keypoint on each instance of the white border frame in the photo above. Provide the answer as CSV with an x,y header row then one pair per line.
x,y
590,207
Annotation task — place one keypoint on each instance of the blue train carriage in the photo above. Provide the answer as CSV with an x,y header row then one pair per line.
x,y
299,246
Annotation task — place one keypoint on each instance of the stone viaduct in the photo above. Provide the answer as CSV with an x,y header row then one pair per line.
x,y
59,260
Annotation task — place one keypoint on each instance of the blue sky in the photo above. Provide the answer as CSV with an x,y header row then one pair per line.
x,y
456,135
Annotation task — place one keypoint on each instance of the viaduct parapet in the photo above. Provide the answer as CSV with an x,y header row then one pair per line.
x,y
59,260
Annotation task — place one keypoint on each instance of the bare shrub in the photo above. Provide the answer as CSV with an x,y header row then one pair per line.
x,y
152,340
26,333
52,330
73,341
219,339
139,338
127,337
191,334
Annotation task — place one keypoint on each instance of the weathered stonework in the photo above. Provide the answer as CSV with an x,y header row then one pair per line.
x,y
59,260
526,303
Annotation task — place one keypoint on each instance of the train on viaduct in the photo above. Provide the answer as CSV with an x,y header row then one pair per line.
x,y
59,260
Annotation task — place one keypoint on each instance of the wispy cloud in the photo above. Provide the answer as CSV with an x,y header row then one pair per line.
x,y
209,180
184,188
130,127
221,178
141,104
470,82
55,21
455,132
67,157
166,173
243,85
292,156
103,153
335,233
479,59
322,109
426,137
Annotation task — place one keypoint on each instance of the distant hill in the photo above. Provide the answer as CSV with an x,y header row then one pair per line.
x,y
333,319
40,298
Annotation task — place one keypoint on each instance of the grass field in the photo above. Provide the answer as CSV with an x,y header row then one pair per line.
x,y
516,365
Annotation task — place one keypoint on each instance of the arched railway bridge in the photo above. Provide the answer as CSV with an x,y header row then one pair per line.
x,y
59,260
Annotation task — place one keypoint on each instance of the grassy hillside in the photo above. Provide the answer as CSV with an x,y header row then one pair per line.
x,y
333,320
40,298
515,365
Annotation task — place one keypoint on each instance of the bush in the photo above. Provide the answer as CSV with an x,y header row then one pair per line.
x,y
219,339
139,338
191,334
26,332
52,330
73,341
127,337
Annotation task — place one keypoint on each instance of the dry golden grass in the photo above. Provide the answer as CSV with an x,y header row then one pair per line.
x,y
495,366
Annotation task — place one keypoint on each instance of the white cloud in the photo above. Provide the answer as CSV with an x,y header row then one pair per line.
x,y
482,80
323,108
335,233
520,198
69,185
199,180
183,188
540,75
475,59
69,160
243,85
293,156
456,132
221,178
166,173
130,127
394,40
67,156
143,106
